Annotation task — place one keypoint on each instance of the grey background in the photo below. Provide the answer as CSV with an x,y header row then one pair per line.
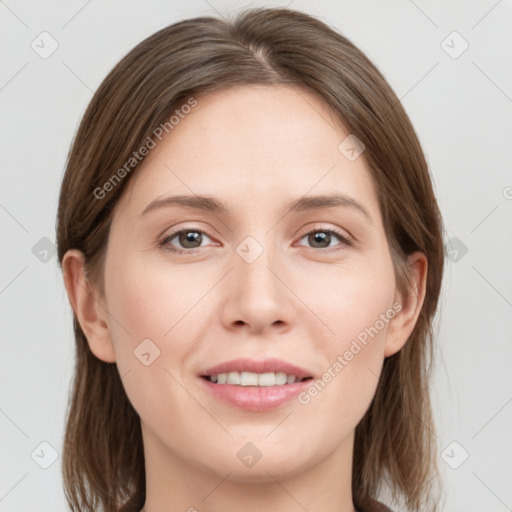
x,y
462,110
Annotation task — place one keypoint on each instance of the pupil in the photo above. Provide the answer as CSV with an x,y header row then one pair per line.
x,y
190,237
320,237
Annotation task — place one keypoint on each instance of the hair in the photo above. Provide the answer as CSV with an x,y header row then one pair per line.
x,y
103,456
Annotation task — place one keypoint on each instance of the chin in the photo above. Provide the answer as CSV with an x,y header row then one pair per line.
x,y
262,472
234,465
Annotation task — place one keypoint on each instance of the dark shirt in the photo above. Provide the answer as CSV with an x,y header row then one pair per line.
x,y
376,506
373,506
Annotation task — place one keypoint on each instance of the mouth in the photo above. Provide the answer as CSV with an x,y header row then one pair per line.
x,y
245,378
255,385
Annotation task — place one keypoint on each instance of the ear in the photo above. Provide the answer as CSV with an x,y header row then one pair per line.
x,y
85,302
402,325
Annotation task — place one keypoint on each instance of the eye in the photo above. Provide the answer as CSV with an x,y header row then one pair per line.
x,y
189,239
321,239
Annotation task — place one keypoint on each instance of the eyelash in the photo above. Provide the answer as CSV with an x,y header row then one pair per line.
x,y
331,231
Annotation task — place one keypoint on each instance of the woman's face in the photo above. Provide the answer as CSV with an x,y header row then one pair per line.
x,y
310,286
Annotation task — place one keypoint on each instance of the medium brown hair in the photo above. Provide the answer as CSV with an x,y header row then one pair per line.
x,y
103,458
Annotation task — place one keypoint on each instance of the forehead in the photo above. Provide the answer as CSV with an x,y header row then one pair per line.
x,y
252,141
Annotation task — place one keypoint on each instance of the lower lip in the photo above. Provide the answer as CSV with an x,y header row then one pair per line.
x,y
256,398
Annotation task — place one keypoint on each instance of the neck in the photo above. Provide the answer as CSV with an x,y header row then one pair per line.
x,y
325,485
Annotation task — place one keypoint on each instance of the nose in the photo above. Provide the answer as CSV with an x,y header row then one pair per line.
x,y
257,298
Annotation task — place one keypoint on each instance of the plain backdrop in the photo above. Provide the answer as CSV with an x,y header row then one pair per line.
x,y
449,63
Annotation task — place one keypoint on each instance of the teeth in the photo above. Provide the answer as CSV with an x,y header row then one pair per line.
x,y
254,379
245,378
234,378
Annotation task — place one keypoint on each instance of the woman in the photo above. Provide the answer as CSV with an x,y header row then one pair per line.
x,y
253,253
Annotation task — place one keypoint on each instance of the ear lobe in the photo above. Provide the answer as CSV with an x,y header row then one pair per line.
x,y
90,313
402,325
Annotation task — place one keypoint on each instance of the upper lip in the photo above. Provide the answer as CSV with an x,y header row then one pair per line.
x,y
257,366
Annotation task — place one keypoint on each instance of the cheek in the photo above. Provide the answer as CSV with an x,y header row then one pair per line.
x,y
357,308
140,307
147,299
151,301
352,299
144,305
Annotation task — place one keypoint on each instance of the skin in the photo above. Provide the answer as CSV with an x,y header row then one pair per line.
x,y
256,148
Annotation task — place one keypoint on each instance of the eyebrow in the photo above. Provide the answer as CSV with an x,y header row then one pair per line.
x,y
210,204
